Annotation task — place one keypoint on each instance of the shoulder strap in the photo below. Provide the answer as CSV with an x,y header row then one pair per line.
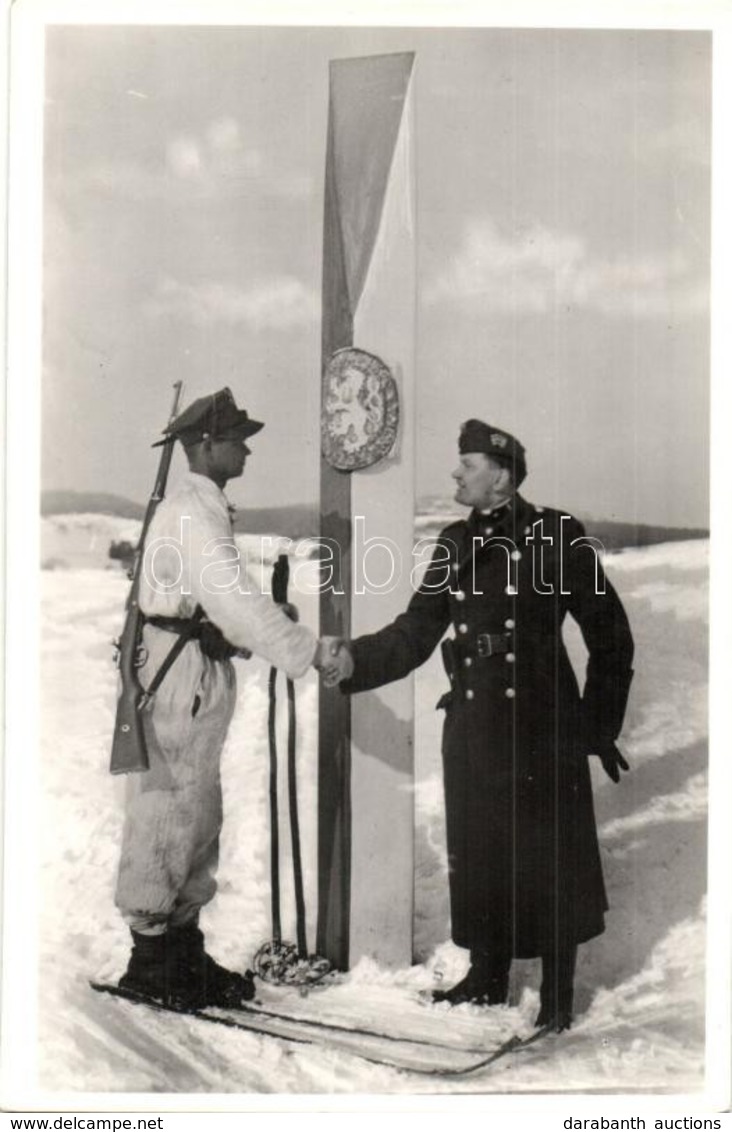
x,y
180,643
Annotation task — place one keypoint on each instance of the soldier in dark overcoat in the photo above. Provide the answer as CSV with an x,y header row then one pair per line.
x,y
524,865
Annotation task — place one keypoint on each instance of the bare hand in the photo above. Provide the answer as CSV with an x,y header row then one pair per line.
x,y
334,661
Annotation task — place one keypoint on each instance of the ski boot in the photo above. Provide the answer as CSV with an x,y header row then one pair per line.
x,y
557,991
216,985
486,983
152,975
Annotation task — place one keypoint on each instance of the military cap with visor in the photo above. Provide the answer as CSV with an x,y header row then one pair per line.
x,y
214,417
477,436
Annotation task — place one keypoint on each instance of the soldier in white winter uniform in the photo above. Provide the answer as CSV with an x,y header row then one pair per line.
x,y
173,812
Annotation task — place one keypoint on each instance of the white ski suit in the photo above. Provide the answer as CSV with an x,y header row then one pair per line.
x,y
173,812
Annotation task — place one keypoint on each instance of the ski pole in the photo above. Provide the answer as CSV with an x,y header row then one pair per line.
x,y
280,582
302,943
275,961
274,827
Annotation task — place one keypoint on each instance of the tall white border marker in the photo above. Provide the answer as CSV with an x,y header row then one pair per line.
x,y
366,814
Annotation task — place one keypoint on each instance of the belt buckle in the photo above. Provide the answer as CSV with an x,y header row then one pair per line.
x,y
484,645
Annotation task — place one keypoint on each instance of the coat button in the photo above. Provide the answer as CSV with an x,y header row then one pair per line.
x,y
527,530
462,628
539,510
489,530
515,555
510,657
510,693
460,596
455,567
468,661
510,623
470,694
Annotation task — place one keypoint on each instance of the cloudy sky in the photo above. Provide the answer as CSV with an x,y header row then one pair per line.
x,y
563,251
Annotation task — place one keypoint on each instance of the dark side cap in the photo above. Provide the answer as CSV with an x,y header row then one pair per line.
x,y
213,416
477,436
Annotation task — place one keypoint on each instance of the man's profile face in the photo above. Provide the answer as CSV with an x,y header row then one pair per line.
x,y
481,482
229,455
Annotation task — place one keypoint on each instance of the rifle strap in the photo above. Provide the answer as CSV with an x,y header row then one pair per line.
x,y
186,634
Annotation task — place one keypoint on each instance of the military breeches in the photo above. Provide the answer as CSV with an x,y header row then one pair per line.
x,y
173,812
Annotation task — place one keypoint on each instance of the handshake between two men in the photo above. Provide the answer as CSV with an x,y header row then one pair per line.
x,y
332,658
333,661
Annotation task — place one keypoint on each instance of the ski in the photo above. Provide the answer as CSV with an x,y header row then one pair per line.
x,y
478,1051
413,1055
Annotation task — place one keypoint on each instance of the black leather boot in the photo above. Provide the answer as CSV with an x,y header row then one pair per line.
x,y
216,985
557,989
486,983
152,974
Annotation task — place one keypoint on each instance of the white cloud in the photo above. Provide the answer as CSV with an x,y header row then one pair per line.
x,y
223,134
539,270
213,165
219,163
184,157
227,156
277,304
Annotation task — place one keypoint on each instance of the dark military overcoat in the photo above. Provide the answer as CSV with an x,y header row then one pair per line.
x,y
524,864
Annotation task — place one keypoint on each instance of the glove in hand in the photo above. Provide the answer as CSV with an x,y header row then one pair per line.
x,y
214,644
611,759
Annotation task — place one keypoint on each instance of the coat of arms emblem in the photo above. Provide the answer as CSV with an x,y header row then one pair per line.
x,y
360,410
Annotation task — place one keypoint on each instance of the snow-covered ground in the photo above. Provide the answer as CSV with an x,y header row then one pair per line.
x,y
640,987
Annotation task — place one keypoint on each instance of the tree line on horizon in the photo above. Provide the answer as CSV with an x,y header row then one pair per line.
x,y
300,520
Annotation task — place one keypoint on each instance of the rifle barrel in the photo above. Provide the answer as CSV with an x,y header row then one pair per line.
x,y
129,751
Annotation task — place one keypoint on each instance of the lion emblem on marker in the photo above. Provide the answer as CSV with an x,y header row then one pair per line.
x,y
360,410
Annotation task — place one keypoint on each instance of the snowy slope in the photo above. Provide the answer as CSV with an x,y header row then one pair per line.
x,y
640,986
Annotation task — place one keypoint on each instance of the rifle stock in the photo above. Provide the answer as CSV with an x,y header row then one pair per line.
x,y
129,749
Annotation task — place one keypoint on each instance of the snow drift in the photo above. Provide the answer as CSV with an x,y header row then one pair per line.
x,y
640,987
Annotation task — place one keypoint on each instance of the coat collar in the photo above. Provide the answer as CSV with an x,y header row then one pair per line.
x,y
507,521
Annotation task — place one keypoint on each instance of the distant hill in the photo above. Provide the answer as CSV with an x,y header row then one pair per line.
x,y
89,503
298,520
434,513
619,536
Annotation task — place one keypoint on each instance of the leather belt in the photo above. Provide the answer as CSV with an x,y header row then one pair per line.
x,y
492,644
186,625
